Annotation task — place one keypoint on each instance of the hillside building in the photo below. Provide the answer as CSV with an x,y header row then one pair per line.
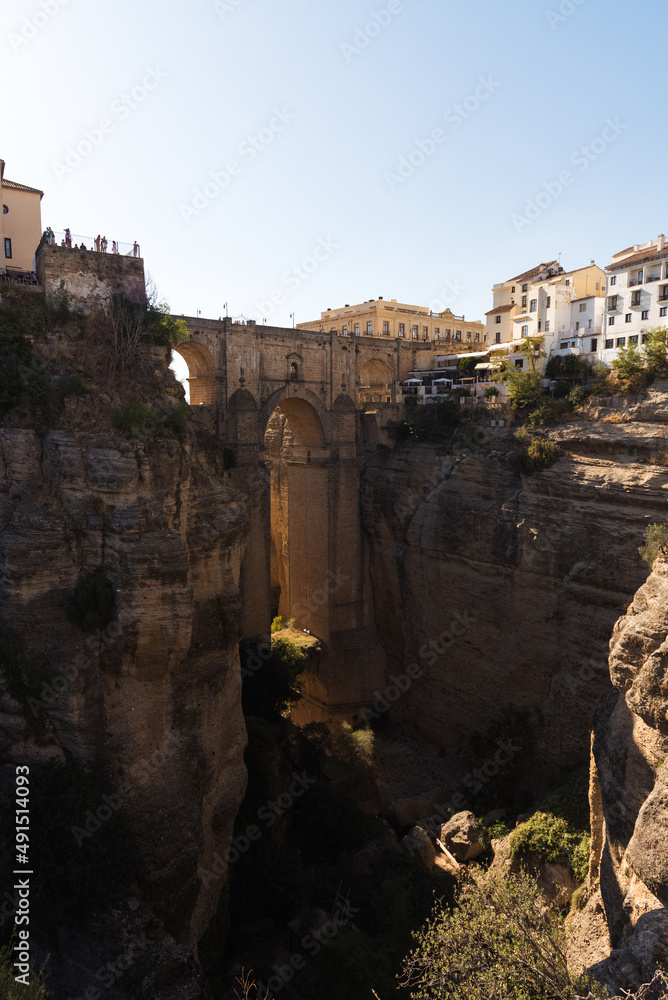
x,y
637,295
20,225
396,320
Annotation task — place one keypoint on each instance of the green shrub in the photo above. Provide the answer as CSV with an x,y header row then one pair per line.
x,y
578,396
175,422
491,392
132,419
501,943
278,624
91,604
656,540
629,362
73,385
10,989
269,689
537,455
559,831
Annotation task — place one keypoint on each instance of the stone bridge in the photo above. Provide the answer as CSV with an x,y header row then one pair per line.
x,y
299,410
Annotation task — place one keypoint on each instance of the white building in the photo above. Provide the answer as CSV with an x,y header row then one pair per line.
x,y
637,295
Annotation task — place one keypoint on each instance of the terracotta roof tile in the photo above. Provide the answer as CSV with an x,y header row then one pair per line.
x,y
13,186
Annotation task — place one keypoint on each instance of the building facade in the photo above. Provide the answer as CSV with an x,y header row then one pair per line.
x,y
398,321
637,295
565,308
20,225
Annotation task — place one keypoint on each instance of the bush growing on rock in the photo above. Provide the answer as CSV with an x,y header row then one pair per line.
x,y
656,539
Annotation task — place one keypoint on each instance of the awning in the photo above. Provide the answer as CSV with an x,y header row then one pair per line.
x,y
484,366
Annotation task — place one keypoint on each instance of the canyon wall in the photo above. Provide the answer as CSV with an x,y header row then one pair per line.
x,y
621,932
151,702
504,588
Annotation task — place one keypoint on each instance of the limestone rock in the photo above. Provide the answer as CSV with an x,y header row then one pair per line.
x,y
418,842
462,836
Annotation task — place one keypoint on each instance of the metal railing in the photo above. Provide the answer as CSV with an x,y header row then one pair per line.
x,y
99,244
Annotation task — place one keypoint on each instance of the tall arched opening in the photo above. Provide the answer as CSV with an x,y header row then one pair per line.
x,y
297,455
202,377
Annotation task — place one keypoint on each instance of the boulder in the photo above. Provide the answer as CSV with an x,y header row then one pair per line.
x,y
462,837
418,842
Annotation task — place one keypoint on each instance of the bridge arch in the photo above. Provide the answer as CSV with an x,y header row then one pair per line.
x,y
375,372
202,371
307,416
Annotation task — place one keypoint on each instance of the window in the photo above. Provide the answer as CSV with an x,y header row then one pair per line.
x,y
357,329
468,334
525,331
548,302
447,335
525,288
635,299
562,347
519,363
8,247
498,337
477,336
294,371
4,210
540,325
577,325
498,319
594,344
644,339
568,282
611,320
583,307
628,317
612,302
425,333
386,326
533,306
512,289
621,341
345,331
458,335
613,279
524,301
437,332
663,293
402,330
589,324
633,340
547,326
609,344
369,328
414,331
663,311
644,314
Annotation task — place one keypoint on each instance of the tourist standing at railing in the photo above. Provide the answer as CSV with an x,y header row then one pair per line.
x,y
114,247
104,244
97,242
135,249
68,238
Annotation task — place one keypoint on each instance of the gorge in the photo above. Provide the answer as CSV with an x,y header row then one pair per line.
x,y
503,590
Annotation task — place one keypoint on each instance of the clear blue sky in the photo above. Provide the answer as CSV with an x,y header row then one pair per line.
x,y
333,110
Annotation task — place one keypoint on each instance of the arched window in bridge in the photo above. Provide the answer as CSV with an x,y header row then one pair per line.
x,y
294,371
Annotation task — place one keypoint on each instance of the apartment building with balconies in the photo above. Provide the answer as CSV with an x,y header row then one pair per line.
x,y
636,296
397,320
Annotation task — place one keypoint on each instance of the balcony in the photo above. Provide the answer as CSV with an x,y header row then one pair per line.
x,y
637,281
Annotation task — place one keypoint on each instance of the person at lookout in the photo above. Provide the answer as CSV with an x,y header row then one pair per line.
x,y
135,249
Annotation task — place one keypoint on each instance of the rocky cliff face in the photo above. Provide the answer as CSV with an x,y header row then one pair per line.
x,y
152,702
504,589
622,930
